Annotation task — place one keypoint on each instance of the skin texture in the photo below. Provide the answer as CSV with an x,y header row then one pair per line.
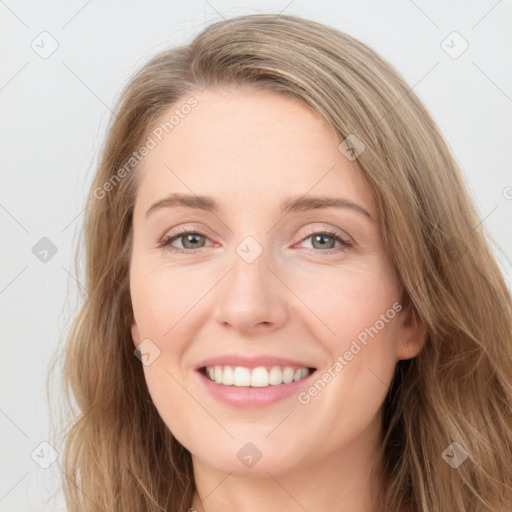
x,y
250,150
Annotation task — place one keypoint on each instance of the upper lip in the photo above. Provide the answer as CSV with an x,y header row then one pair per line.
x,y
251,362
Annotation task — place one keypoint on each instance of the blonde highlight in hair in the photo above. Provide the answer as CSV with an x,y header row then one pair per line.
x,y
119,455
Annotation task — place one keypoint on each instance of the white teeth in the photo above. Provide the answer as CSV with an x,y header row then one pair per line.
x,y
288,375
275,376
259,377
241,377
228,377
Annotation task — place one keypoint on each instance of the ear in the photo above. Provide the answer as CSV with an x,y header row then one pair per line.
x,y
412,334
135,332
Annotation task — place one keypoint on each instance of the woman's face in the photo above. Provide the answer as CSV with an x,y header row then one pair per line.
x,y
271,278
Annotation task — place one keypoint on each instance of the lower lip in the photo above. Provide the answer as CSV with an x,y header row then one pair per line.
x,y
252,397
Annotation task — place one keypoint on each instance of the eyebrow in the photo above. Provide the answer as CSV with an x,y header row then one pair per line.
x,y
292,204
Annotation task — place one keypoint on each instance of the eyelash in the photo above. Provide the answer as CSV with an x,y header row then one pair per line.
x,y
166,241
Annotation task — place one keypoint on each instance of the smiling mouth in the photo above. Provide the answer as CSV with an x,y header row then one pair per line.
x,y
259,377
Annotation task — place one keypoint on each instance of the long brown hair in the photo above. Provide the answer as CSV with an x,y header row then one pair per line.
x,y
117,453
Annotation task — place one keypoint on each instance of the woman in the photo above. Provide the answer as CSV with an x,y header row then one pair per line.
x,y
270,155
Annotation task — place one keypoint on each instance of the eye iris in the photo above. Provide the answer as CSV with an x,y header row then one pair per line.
x,y
323,245
191,237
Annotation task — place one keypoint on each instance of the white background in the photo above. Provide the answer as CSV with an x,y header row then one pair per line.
x,y
54,113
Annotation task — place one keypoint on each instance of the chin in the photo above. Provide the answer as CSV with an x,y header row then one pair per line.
x,y
259,469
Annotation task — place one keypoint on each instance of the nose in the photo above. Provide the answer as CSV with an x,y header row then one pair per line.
x,y
251,299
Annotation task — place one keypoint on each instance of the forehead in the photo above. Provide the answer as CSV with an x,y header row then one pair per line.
x,y
246,145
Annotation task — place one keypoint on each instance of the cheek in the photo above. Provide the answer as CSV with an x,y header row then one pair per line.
x,y
174,404
163,305
340,302
164,298
352,312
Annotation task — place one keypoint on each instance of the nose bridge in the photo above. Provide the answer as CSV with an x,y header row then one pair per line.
x,y
250,264
249,280
250,294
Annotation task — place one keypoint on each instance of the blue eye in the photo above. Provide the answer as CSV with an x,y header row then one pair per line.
x,y
194,237
189,236
318,236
